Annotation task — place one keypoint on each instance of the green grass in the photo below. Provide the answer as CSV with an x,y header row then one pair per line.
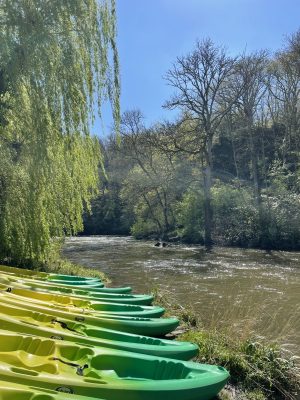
x,y
254,365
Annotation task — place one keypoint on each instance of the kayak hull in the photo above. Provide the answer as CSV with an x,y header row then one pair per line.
x,y
14,391
73,303
30,284
156,327
104,373
28,322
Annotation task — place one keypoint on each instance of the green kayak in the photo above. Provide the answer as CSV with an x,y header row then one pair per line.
x,y
45,277
141,326
98,372
75,283
30,284
72,278
23,272
72,304
20,320
100,288
48,276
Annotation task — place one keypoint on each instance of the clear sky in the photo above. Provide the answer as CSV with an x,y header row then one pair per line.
x,y
152,33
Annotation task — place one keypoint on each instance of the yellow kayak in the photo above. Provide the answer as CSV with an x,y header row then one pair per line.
x,y
142,326
20,320
48,276
72,304
98,372
41,278
14,391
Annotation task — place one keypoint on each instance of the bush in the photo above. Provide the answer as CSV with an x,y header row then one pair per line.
x,y
143,228
236,219
190,218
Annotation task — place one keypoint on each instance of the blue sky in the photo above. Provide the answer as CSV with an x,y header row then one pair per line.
x,y
152,33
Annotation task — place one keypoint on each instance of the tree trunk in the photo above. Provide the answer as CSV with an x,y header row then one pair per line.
x,y
255,174
256,185
207,184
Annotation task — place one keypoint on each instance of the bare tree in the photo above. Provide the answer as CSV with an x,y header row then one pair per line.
x,y
201,80
158,170
284,86
251,77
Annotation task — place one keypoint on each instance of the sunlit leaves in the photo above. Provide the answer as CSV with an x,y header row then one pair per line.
x,y
58,63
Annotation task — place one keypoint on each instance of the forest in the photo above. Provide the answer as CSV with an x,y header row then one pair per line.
x,y
226,171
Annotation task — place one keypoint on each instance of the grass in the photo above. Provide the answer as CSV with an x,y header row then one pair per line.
x,y
254,366
259,370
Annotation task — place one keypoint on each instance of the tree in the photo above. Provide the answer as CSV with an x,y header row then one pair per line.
x,y
58,62
201,80
152,176
251,77
284,86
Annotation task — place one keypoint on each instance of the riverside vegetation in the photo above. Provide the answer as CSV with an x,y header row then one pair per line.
x,y
258,370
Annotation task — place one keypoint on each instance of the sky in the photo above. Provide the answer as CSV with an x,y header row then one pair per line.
x,y
152,33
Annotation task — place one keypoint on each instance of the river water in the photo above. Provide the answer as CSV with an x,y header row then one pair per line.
x,y
239,290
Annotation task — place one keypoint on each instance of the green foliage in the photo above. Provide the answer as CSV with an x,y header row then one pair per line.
x,y
107,216
258,370
280,221
238,221
254,366
190,218
236,218
57,60
144,228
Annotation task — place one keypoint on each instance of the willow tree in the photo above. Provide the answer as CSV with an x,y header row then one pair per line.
x,y
58,63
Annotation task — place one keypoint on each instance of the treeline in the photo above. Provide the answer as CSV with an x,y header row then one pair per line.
x,y
227,171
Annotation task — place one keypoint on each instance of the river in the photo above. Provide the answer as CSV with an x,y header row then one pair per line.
x,y
235,289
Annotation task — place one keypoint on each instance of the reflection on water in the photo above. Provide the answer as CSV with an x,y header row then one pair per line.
x,y
247,289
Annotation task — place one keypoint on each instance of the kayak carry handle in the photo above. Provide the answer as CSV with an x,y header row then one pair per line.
x,y
65,326
79,368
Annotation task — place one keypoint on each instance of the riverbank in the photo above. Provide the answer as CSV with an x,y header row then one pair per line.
x,y
259,370
171,238
58,264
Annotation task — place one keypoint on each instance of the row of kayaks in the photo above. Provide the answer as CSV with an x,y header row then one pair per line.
x,y
69,337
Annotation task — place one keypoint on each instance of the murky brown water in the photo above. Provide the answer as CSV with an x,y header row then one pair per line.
x,y
247,290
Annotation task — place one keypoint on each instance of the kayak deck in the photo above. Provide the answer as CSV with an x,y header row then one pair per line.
x,y
99,372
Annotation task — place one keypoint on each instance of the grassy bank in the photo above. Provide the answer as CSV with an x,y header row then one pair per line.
x,y
259,370
56,263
